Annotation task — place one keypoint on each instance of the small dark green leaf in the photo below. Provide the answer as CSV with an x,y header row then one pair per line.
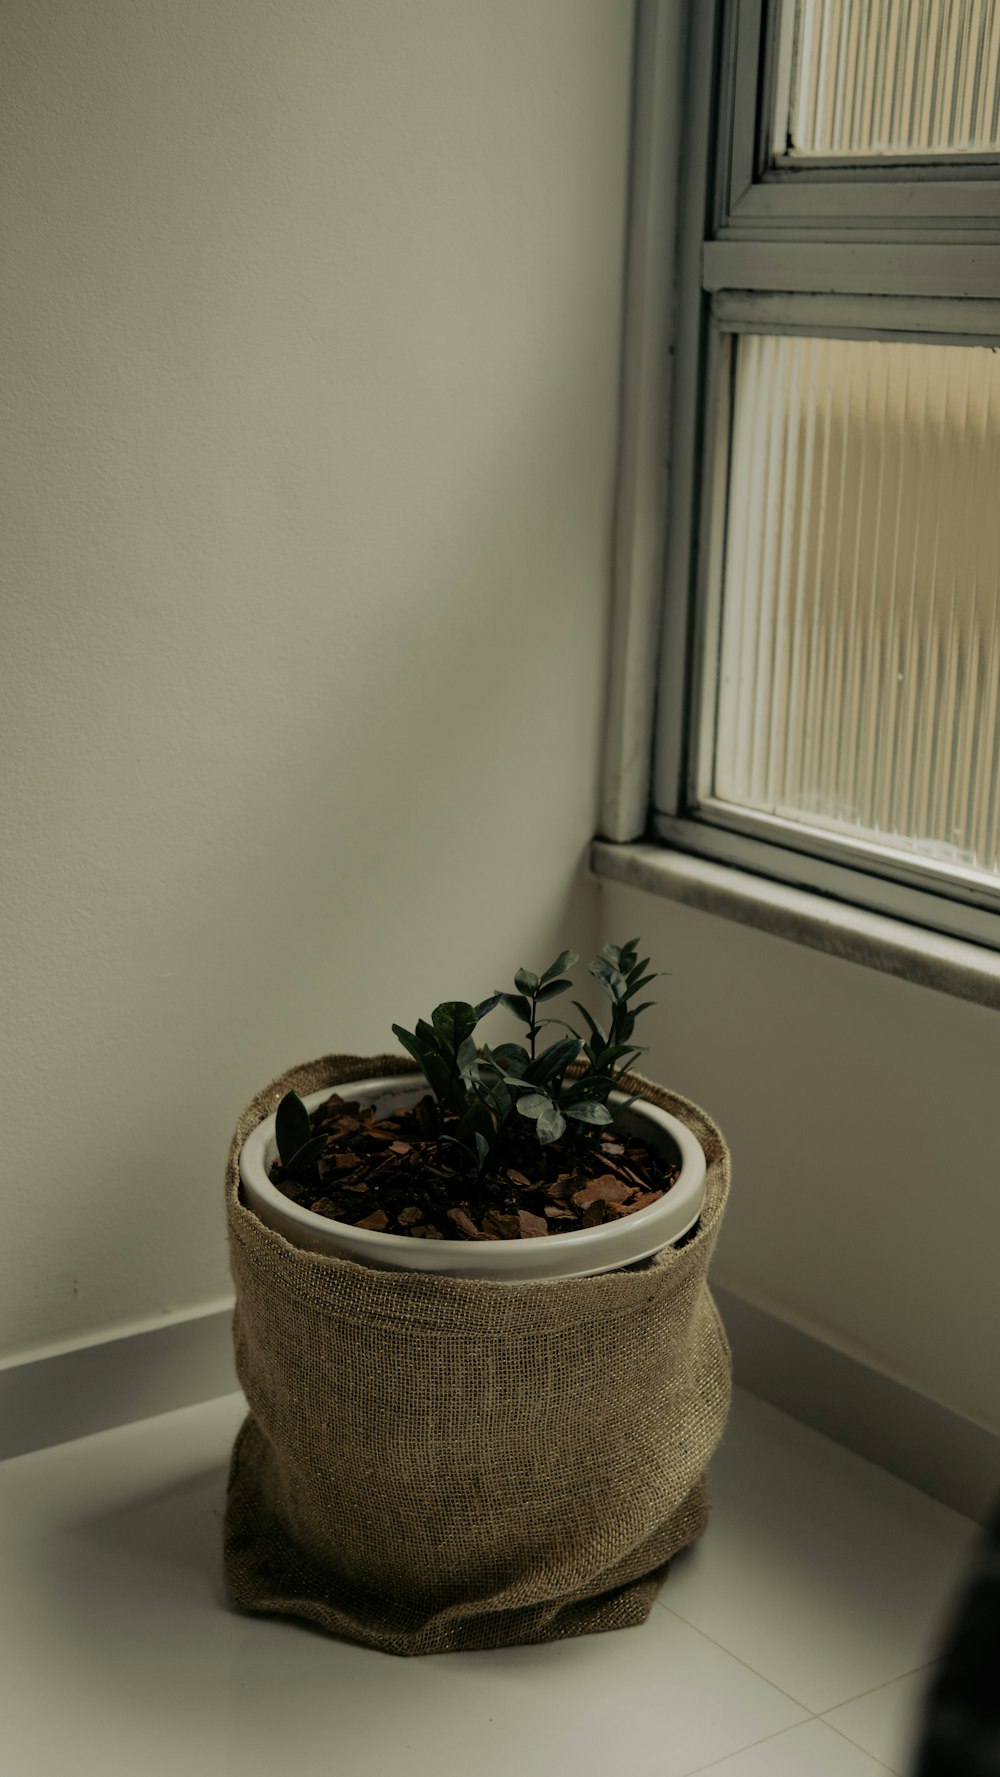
x,y
439,1078
485,1006
603,1062
567,959
454,1020
550,1125
482,1149
511,1053
310,1151
499,1100
597,1034
526,981
516,1003
411,1044
553,987
477,1116
292,1127
610,978
587,1086
427,1034
554,1060
619,1108
635,986
644,1007
588,1112
467,1060
534,1104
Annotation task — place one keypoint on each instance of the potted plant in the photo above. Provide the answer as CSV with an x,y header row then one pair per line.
x,y
465,1168
483,1369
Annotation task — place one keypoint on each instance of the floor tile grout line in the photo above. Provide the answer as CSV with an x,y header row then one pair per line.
x,y
911,1671
817,1714
765,1739
859,1748
738,1750
741,1662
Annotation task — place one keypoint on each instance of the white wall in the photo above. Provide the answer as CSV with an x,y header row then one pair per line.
x,y
311,334
862,1116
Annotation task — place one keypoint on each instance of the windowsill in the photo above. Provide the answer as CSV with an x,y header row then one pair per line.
x,y
876,941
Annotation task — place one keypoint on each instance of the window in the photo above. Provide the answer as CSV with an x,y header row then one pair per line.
x,y
829,700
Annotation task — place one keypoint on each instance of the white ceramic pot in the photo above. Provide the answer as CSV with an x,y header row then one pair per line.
x,y
581,1253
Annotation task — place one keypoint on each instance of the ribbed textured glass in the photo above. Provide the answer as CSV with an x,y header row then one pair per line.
x,y
904,77
859,664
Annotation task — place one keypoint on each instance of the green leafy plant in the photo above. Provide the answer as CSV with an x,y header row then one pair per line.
x,y
483,1090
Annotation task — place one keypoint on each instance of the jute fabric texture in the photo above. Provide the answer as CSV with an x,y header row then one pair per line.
x,y
434,1463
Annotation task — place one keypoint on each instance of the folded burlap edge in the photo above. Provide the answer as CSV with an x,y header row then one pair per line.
x,y
308,1275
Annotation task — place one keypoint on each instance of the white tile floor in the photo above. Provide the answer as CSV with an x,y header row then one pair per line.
x,y
794,1641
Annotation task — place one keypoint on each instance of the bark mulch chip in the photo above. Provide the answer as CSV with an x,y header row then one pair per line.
x,y
394,1177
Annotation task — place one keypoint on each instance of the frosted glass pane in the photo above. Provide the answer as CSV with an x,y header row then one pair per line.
x,y
903,77
859,662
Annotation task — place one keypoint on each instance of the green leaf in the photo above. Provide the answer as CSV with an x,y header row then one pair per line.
x,y
467,1060
482,1149
485,1006
610,978
552,988
411,1043
644,1007
637,970
476,1116
516,1003
292,1127
427,1034
588,1112
498,1098
619,1108
554,1060
534,1104
310,1151
602,1062
635,986
513,1054
526,981
440,1080
596,1032
587,1086
542,1022
514,1085
550,1124
454,1020
567,959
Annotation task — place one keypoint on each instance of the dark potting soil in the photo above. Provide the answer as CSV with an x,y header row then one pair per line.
x,y
397,1176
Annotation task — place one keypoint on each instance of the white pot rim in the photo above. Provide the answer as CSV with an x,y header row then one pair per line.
x,y
584,1252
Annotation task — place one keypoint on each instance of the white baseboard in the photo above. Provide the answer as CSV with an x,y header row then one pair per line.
x,y
69,1393
53,1397
950,1457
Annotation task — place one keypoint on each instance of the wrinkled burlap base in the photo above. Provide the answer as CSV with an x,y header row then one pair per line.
x,y
432,1463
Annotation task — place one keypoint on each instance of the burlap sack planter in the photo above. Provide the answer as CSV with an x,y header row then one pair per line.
x,y
435,1463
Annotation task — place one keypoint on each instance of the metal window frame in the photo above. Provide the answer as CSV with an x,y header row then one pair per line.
x,y
915,194
863,255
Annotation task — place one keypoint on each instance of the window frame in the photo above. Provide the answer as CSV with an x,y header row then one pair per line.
x,y
891,267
